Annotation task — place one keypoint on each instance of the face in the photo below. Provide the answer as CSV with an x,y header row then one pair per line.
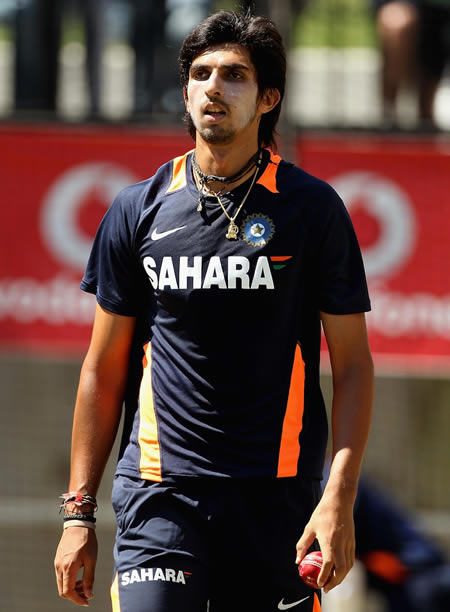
x,y
222,95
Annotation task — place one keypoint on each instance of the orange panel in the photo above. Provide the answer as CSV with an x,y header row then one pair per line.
x,y
293,419
317,607
115,594
269,177
178,173
150,464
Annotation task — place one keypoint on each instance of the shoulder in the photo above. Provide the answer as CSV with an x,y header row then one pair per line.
x,y
139,192
311,197
285,178
293,179
134,200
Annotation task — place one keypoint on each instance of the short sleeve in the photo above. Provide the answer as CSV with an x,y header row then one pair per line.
x,y
113,269
341,279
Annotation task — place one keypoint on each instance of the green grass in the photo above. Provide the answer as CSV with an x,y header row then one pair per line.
x,y
6,32
329,23
335,23
73,31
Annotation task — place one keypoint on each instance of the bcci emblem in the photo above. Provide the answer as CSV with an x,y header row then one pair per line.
x,y
257,230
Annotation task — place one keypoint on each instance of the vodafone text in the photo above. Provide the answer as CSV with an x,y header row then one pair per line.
x,y
232,273
150,574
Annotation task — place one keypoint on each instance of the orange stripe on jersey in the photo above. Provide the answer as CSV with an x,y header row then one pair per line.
x,y
115,594
293,419
280,257
386,565
150,463
268,178
178,173
317,607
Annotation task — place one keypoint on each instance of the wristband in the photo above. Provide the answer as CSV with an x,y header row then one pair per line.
x,y
80,517
78,523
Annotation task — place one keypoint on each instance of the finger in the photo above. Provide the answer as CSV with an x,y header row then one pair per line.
x,y
58,573
88,579
304,544
350,556
337,572
328,562
79,588
69,586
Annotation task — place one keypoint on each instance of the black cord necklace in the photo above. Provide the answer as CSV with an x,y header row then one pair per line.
x,y
226,180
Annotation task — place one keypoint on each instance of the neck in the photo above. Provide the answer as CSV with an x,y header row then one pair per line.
x,y
207,182
225,160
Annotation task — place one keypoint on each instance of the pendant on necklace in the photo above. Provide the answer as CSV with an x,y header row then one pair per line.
x,y
201,202
232,232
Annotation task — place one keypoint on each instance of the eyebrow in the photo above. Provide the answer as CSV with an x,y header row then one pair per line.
x,y
234,66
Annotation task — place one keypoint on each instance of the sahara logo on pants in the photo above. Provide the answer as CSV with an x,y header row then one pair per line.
x,y
150,574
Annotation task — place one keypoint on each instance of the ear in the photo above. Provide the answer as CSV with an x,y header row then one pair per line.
x,y
270,98
186,99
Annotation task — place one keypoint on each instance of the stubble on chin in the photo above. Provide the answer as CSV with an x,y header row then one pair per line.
x,y
212,134
216,135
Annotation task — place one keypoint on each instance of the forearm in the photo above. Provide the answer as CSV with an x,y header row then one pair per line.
x,y
353,376
332,521
96,419
351,417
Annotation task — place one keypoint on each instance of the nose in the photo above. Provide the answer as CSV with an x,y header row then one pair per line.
x,y
214,85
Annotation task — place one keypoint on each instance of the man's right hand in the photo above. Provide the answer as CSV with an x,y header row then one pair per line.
x,y
77,550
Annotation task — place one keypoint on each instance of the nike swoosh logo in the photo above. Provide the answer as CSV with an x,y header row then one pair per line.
x,y
158,235
283,606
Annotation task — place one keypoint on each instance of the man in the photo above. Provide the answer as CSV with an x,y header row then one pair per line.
x,y
415,46
211,279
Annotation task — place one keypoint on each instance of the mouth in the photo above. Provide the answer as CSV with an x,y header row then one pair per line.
x,y
214,113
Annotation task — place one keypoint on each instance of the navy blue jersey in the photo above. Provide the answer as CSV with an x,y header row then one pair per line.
x,y
224,369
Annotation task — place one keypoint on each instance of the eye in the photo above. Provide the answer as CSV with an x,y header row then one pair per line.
x,y
200,74
235,75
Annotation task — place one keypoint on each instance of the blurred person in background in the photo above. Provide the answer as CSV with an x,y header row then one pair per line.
x,y
38,28
146,36
415,45
403,565
37,25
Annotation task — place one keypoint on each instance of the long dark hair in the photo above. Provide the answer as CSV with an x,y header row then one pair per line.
x,y
260,37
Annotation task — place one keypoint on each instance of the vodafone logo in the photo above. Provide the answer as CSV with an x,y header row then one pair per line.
x,y
60,227
389,206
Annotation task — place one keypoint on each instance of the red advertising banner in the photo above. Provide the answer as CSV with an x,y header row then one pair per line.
x,y
397,193
57,182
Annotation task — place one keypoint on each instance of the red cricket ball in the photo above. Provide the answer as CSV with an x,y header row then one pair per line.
x,y
309,568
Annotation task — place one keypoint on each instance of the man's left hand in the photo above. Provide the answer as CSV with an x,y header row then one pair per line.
x,y
332,525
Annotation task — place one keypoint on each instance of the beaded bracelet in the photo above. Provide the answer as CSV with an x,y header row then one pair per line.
x,y
79,499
